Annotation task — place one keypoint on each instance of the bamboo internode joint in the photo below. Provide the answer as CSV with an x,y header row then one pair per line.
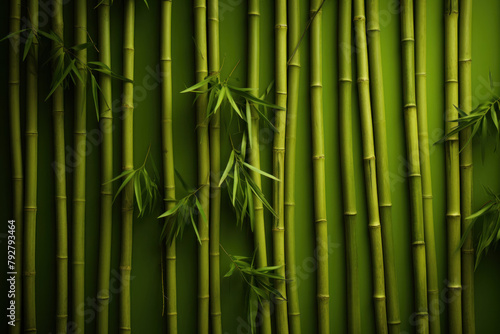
x,y
465,60
350,213
361,80
468,251
320,220
126,268
61,316
359,18
318,157
409,105
323,297
379,298
421,74
30,330
253,13
62,257
29,273
281,26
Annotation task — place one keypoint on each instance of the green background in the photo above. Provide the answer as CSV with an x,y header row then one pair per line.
x,y
146,284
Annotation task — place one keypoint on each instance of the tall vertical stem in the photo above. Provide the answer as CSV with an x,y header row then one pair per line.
x,y
465,87
290,161
59,167
168,159
413,158
200,27
30,199
347,165
318,160
425,165
127,164
16,151
382,164
279,163
106,125
454,284
254,152
379,299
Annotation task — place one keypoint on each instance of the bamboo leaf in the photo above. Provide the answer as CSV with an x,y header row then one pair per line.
x,y
138,192
235,184
200,210
228,168
130,176
256,170
28,43
95,87
61,79
198,85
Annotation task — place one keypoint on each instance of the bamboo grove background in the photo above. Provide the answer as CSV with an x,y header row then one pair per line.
x,y
146,288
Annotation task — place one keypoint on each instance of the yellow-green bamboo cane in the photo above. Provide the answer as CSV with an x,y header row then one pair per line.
x,y
379,299
30,199
80,142
414,177
127,164
279,164
318,160
59,167
454,285
290,161
254,152
106,125
213,67
425,165
168,160
16,151
347,165
465,86
384,184
200,37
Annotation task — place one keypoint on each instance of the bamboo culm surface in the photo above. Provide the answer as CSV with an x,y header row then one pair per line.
x,y
200,37
318,162
425,165
382,164
379,298
347,166
215,191
80,142
453,222
106,127
59,168
168,161
17,154
31,171
278,229
414,177
465,87
125,325
254,152
290,160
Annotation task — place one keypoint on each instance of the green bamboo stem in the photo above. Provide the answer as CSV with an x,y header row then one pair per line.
x,y
168,160
106,125
30,199
80,142
379,299
127,164
425,165
465,87
215,195
347,166
254,151
278,229
294,33
318,160
454,284
414,177
200,36
382,164
60,181
16,151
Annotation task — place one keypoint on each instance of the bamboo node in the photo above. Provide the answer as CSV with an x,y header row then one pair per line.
x,y
421,74
394,322
30,330
345,79
410,105
253,13
465,60
374,30
385,205
78,262
61,316
359,18
350,213
289,203
323,297
29,273
371,157
126,268
318,157
379,298
451,80
408,39
124,328
280,26
427,196
320,220
453,215
62,257
468,251
361,80
454,287
203,297
418,242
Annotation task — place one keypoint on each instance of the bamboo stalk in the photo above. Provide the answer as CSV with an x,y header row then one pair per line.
x,y
16,152
465,87
106,125
318,160
168,160
215,195
415,180
254,152
425,165
200,26
60,180
290,161
379,299
127,164
347,166
30,199
80,142
382,165
454,284
278,229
